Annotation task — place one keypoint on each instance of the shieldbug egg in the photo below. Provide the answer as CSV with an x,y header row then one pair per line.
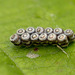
x,y
43,38
25,37
72,38
49,30
62,40
15,39
20,31
69,33
30,30
52,38
58,31
34,38
39,30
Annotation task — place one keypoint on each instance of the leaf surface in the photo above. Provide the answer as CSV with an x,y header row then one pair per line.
x,y
15,14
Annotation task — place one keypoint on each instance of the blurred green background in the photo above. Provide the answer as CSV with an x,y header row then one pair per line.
x,y
15,14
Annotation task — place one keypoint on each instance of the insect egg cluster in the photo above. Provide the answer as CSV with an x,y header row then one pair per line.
x,y
48,36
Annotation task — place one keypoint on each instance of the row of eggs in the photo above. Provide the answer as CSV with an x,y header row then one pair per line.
x,y
43,36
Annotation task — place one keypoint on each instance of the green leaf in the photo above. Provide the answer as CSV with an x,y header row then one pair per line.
x,y
15,14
